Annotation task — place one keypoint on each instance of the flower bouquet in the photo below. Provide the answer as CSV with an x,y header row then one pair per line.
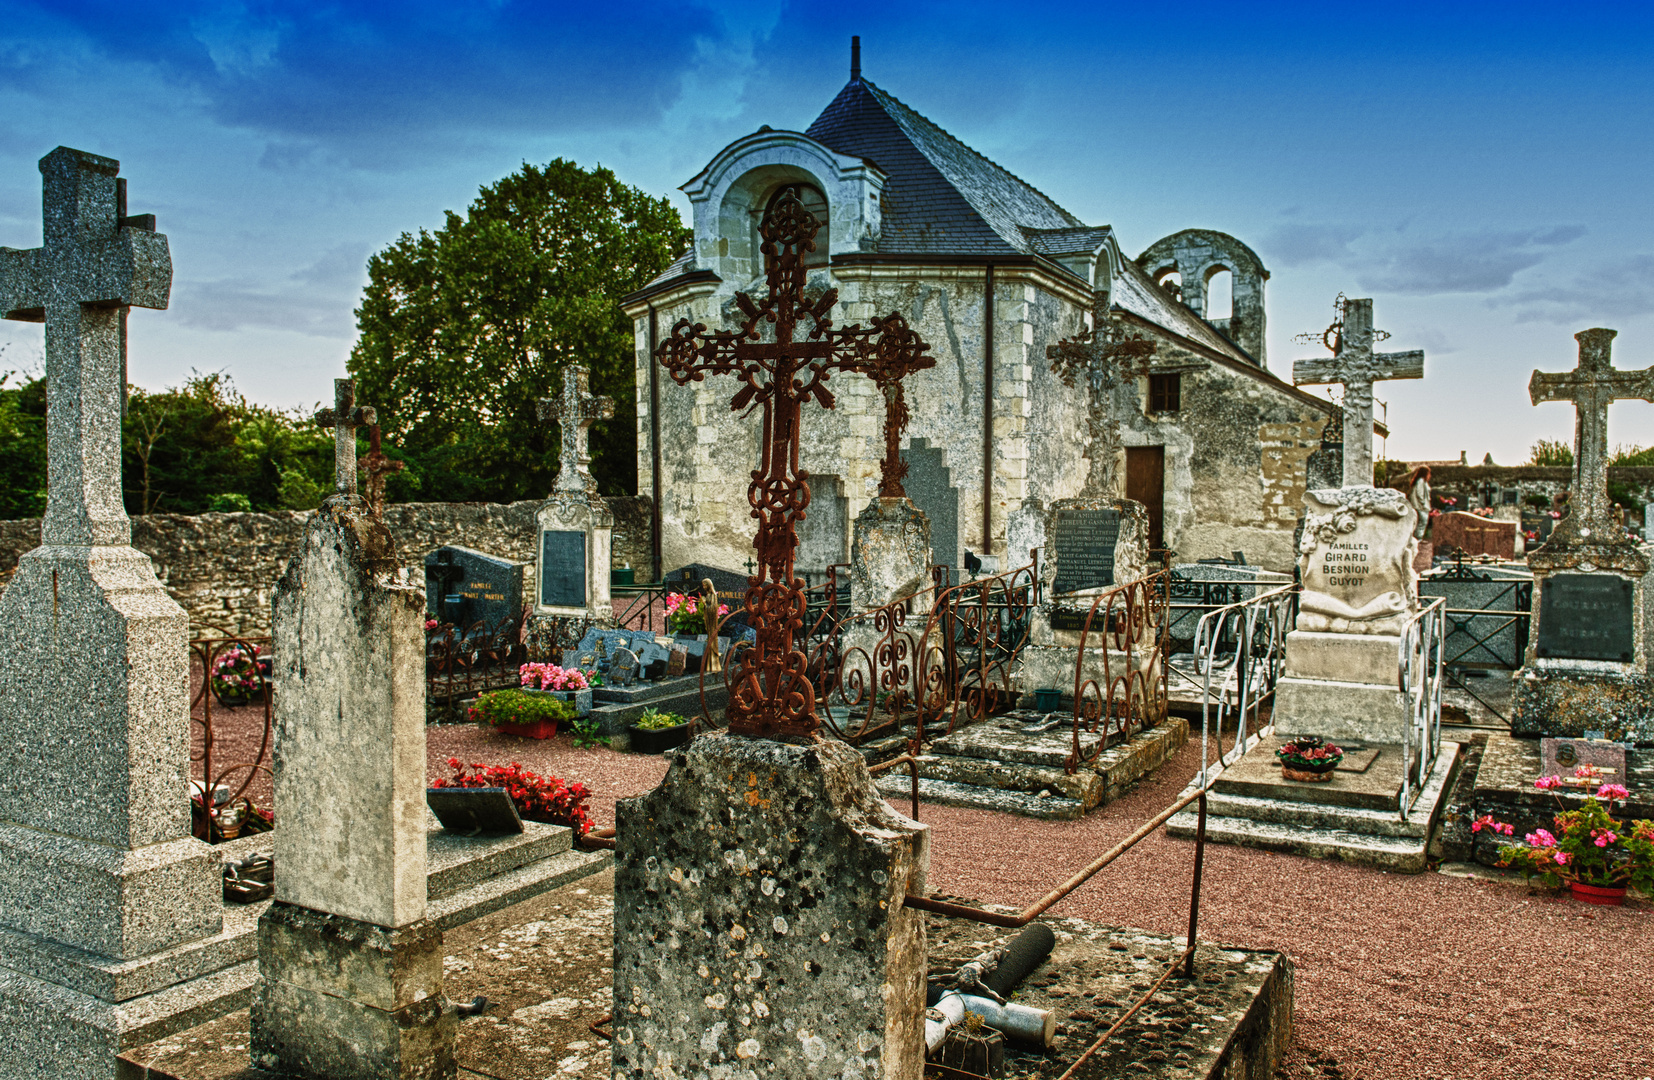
x,y
538,798
238,675
1593,853
515,712
1309,759
684,616
552,677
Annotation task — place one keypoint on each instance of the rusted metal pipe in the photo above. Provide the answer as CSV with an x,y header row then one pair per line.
x,y
599,838
655,565
1194,892
913,765
987,416
1029,914
596,1028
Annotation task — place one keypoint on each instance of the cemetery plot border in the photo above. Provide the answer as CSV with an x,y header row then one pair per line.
x,y
1131,694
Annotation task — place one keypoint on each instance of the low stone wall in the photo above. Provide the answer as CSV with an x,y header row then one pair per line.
x,y
221,567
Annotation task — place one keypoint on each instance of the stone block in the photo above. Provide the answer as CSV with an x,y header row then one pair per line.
x,y
371,966
1359,712
330,1038
1567,704
759,924
1357,658
890,555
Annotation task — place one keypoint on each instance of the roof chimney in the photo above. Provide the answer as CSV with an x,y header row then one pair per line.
x,y
855,59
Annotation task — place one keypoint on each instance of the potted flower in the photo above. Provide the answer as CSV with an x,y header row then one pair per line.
x,y
238,675
1596,855
520,712
1308,759
538,798
657,732
566,684
684,615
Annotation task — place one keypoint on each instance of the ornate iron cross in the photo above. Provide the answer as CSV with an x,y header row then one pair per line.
x,y
1356,366
1592,386
378,465
1109,355
889,360
771,694
574,410
344,418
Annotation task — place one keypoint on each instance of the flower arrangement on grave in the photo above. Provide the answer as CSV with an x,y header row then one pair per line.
x,y
1308,758
1590,847
684,616
538,798
238,674
516,708
655,720
552,677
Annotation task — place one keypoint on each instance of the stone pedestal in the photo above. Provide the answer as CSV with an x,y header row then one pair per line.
x,y
759,924
572,575
890,555
351,976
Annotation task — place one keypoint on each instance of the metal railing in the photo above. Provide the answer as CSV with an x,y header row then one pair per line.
x,y
1132,692
1240,651
463,662
1419,677
250,658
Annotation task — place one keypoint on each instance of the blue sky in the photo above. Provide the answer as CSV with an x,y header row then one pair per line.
x,y
1481,170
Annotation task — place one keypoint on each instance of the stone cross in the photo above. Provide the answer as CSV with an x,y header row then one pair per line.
x,y
1591,387
95,263
377,465
1356,366
1108,356
575,410
344,418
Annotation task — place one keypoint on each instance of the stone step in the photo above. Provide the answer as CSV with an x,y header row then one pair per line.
x,y
1316,816
876,750
897,786
645,693
1403,854
1084,786
616,717
454,861
515,886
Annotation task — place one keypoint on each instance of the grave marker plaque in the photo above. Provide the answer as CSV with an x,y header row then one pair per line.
x,y
1083,542
489,589
1585,617
562,569
1562,757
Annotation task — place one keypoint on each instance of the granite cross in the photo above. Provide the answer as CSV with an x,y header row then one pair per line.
x,y
575,410
344,418
1591,387
1109,356
770,690
377,464
95,263
1354,364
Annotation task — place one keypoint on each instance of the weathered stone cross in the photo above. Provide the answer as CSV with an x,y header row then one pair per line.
x,y
1592,386
1108,356
95,264
1356,366
575,410
344,418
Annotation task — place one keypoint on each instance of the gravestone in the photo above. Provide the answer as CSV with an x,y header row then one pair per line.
x,y
623,667
825,529
102,886
1081,543
350,970
686,580
489,590
1587,617
1474,535
575,524
929,485
891,557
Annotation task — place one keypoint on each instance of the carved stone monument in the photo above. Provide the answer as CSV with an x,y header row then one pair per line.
x,y
1587,667
575,523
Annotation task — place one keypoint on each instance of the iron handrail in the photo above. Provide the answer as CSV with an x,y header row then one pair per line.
x,y
1207,635
1419,652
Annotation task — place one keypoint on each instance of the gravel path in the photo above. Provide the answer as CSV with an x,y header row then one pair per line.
x,y
1399,977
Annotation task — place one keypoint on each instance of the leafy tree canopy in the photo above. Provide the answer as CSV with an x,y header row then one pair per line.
x,y
463,330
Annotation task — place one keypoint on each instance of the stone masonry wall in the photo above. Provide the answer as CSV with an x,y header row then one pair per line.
x,y
221,567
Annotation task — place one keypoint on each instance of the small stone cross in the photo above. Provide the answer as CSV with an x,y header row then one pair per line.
x,y
1591,387
575,410
95,264
377,465
1108,356
1354,364
344,418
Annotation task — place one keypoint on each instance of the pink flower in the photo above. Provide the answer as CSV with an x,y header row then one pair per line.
x,y
1541,838
1561,858
1548,782
431,624
1612,791
1586,772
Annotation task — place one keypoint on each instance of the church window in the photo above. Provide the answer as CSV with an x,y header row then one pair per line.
x,y
816,203
1220,303
1165,393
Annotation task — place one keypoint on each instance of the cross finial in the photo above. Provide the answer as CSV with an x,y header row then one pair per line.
x,y
575,410
344,418
1107,355
95,263
1356,366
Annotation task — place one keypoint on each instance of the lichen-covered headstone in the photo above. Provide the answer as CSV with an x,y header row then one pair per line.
x,y
759,923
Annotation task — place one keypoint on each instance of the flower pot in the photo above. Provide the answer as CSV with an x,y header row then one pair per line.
x,y
1305,776
626,575
540,729
1047,700
658,740
1606,895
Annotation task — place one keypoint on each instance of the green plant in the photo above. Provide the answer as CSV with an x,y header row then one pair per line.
x,y
231,502
518,707
1541,501
655,720
588,733
296,491
1590,846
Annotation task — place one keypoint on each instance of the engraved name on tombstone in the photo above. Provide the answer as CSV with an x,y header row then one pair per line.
x,y
1082,540
1586,617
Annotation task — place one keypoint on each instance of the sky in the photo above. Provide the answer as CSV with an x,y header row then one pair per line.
x,y
1480,170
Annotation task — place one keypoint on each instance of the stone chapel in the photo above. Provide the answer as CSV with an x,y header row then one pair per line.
x,y
990,272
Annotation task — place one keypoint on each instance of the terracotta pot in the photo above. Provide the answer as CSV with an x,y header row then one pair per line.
x,y
1606,895
540,729
1289,773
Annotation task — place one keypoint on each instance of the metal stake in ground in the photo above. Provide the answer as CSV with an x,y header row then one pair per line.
x,y
1356,366
1108,355
344,418
771,694
575,410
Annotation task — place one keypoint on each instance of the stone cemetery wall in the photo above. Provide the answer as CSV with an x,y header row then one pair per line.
x,y
1466,482
222,567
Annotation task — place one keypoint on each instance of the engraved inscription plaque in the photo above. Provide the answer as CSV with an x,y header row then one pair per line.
x,y
562,569
1083,542
1585,617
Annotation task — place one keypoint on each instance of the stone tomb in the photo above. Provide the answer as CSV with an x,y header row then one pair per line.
x,y
891,557
1474,535
465,587
576,527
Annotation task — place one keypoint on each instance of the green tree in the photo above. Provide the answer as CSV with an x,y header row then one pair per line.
x,y
463,330
1551,452
22,447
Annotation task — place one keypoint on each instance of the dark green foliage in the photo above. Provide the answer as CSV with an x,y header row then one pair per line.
x,y
22,447
463,330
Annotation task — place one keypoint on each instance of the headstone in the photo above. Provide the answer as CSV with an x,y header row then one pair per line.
x,y
1587,617
623,667
350,971
490,589
474,810
99,875
1564,757
759,922
1474,535
575,524
824,531
891,557
677,662
929,485
687,580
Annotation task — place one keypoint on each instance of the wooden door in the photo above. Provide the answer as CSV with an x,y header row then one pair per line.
x,y
1146,483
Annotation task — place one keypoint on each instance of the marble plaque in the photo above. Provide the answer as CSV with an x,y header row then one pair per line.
x,y
488,590
1562,757
1356,559
562,569
1585,617
1083,542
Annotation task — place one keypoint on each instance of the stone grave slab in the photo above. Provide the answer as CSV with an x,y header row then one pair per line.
x,y
1586,617
1474,535
474,810
1375,783
687,579
489,590
562,568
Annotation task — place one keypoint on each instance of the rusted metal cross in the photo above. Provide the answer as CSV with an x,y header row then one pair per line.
x,y
344,418
771,694
377,465
1108,355
1592,386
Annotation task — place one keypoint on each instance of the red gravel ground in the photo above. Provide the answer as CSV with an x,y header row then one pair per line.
x,y
1399,977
